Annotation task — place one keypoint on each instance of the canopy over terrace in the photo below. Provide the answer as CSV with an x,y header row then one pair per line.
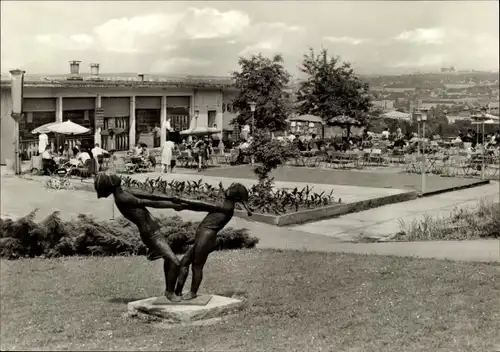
x,y
397,115
307,118
199,130
311,121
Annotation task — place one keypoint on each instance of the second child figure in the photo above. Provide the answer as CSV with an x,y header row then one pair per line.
x,y
205,239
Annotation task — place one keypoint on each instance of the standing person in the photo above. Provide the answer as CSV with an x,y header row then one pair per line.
x,y
43,142
157,134
199,149
166,155
97,153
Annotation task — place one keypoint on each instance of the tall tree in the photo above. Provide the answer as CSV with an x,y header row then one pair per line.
x,y
331,89
263,81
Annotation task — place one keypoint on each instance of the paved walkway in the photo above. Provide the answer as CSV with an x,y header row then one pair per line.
x,y
375,179
20,196
385,221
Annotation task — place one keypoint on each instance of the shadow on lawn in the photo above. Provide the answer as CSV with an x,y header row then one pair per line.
x,y
121,300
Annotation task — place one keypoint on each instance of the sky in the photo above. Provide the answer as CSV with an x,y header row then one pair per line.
x,y
207,38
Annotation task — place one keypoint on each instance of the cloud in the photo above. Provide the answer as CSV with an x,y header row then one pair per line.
x,y
270,37
209,23
424,36
71,42
348,40
142,33
177,64
136,34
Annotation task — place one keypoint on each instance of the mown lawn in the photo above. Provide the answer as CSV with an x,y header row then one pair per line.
x,y
295,301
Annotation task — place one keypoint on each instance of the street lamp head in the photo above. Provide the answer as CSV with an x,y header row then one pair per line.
x,y
418,115
252,106
196,113
16,87
424,117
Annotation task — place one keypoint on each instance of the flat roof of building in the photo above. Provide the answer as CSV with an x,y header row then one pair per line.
x,y
123,80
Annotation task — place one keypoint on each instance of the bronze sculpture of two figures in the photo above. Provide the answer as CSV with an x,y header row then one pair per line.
x,y
133,206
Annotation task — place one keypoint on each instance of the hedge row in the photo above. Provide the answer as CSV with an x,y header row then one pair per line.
x,y
53,237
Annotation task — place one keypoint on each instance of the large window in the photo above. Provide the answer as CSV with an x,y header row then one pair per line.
x,y
179,118
146,120
211,117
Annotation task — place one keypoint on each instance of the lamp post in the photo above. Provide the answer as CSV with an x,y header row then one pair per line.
x,y
483,117
16,90
422,118
252,109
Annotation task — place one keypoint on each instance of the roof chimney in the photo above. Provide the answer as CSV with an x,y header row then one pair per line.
x,y
94,71
75,70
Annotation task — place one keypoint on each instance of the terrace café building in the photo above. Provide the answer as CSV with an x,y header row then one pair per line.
x,y
130,105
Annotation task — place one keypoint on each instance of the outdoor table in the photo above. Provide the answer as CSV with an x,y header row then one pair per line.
x,y
36,162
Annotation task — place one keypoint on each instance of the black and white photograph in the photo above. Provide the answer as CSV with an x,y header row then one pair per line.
x,y
250,176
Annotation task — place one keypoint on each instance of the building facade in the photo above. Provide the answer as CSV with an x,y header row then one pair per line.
x,y
129,107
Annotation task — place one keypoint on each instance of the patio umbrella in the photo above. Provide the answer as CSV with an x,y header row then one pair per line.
x,y
344,121
200,130
486,122
68,127
44,128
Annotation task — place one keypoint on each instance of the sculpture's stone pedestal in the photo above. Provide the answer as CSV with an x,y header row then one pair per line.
x,y
203,307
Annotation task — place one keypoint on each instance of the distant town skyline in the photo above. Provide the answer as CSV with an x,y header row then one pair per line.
x,y
207,38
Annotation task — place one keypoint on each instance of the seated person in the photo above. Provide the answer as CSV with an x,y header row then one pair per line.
x,y
67,153
48,163
385,134
144,151
83,157
137,150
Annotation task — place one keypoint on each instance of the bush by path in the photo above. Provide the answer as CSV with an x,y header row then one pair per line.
x,y
463,224
53,237
263,198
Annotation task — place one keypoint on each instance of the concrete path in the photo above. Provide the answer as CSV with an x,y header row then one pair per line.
x,y
387,220
20,196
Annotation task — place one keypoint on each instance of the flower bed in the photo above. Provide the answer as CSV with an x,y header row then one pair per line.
x,y
83,236
263,198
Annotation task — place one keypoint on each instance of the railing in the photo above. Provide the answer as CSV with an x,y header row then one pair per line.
x,y
29,147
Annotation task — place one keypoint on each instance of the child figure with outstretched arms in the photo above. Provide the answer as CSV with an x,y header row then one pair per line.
x,y
205,239
132,205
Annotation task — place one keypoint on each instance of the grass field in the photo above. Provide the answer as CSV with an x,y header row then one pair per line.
x,y
295,301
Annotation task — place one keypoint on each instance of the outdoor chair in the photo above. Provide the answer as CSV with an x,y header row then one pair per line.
x,y
144,165
87,169
122,167
185,159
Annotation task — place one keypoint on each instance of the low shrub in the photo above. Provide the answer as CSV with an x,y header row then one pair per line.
x,y
53,237
482,221
263,198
